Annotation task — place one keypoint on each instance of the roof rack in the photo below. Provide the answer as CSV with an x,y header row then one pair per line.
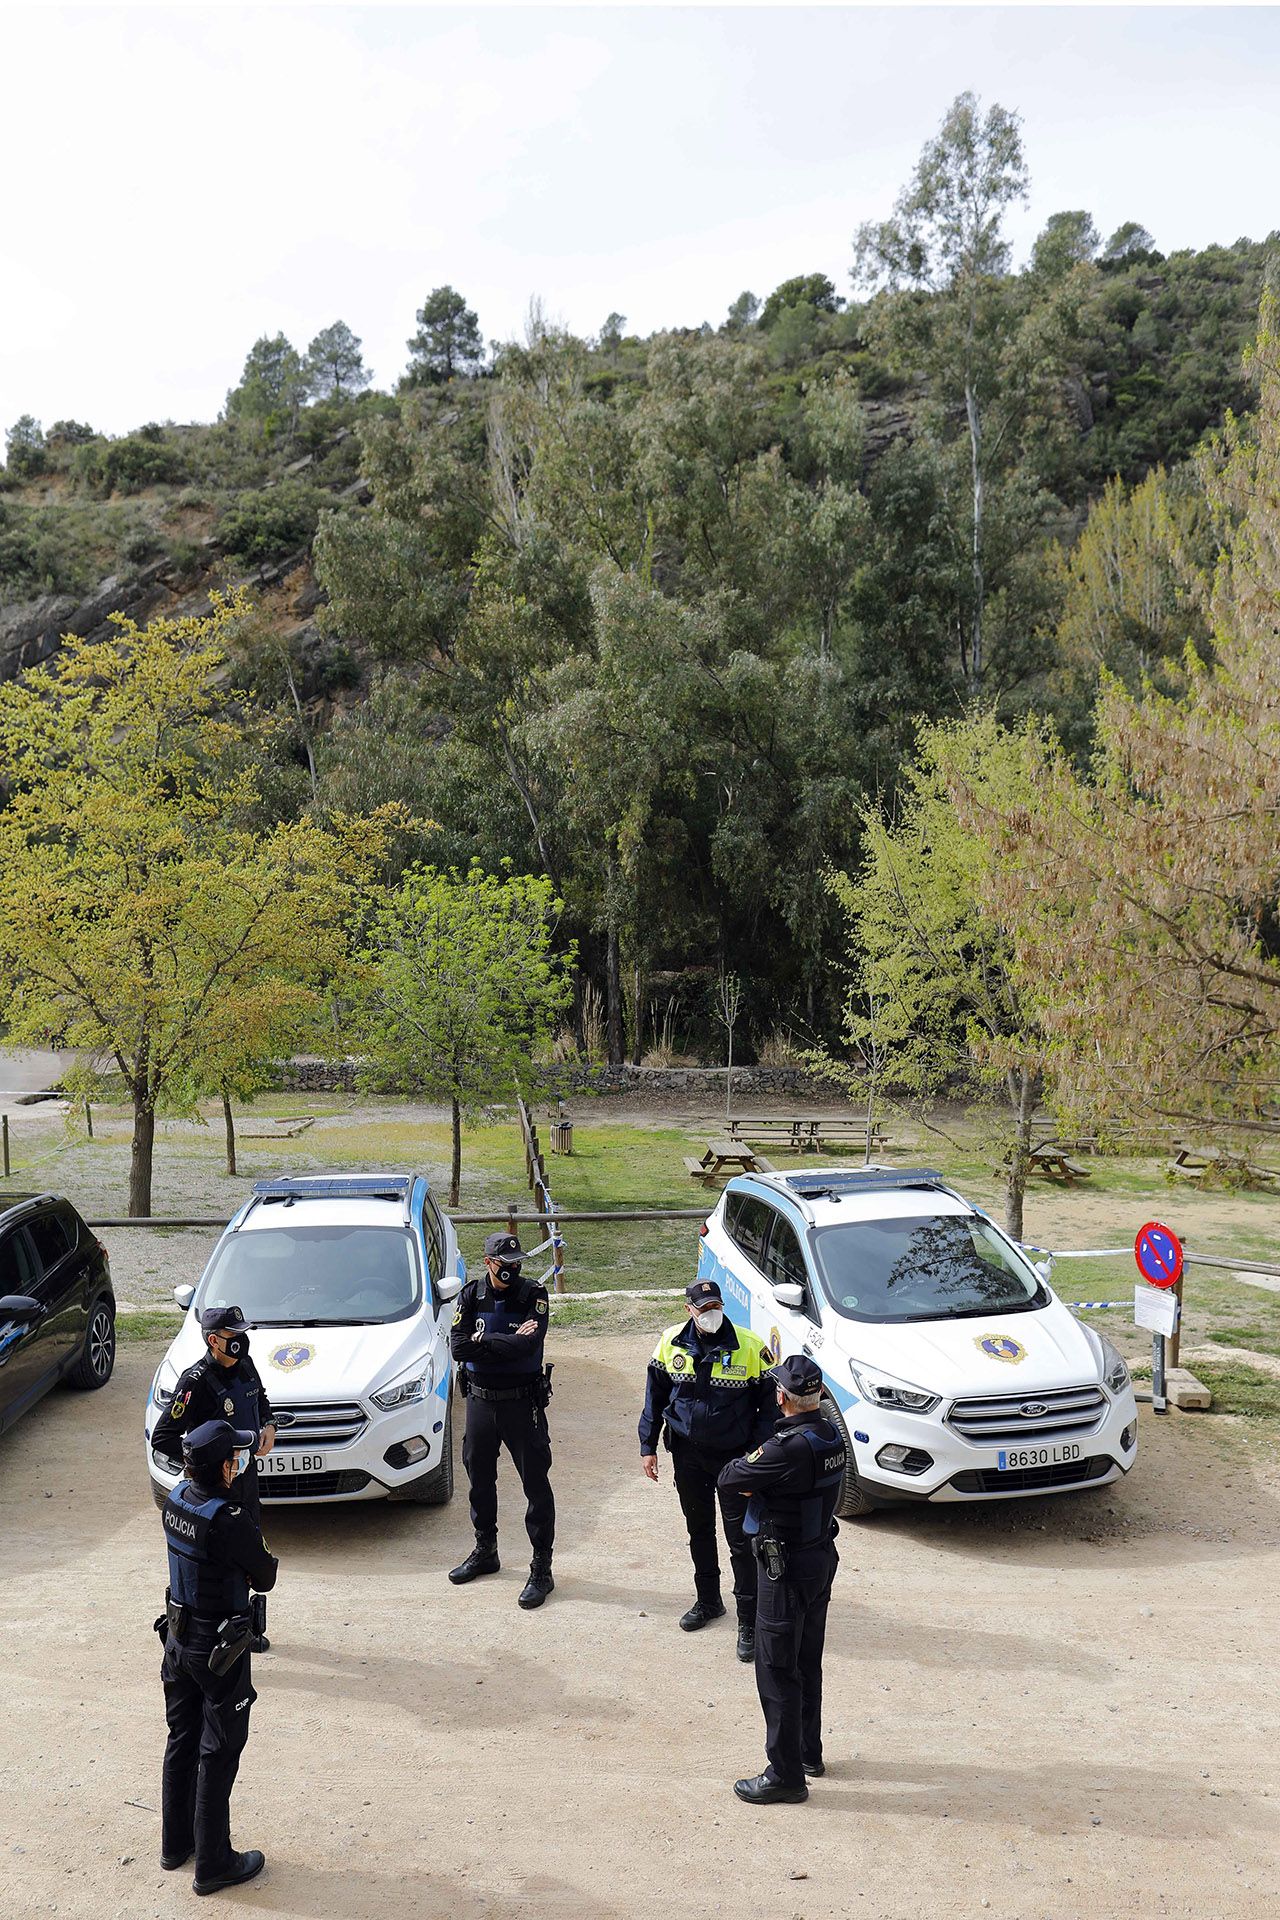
x,y
20,1202
843,1182
338,1186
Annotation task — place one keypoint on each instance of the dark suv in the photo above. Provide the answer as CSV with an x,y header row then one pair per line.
x,y
57,1310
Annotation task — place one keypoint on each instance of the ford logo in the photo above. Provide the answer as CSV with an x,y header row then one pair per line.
x,y
1032,1409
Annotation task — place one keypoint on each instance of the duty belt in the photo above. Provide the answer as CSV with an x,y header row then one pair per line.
x,y
503,1393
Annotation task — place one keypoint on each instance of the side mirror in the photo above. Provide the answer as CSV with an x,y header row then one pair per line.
x,y
20,1307
449,1286
1045,1269
184,1296
788,1294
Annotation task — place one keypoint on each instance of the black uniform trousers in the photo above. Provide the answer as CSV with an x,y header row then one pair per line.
x,y
696,1471
208,1716
520,1427
791,1627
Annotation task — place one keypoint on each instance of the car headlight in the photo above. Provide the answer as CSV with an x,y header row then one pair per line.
x,y
164,1383
881,1390
408,1388
1115,1372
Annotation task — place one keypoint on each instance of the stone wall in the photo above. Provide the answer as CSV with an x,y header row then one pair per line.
x,y
310,1074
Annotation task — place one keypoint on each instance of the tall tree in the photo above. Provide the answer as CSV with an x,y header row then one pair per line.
x,y
334,366
460,984
448,339
141,917
272,386
1067,240
946,236
25,451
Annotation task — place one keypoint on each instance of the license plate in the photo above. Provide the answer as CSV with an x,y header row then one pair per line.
x,y
1017,1457
277,1462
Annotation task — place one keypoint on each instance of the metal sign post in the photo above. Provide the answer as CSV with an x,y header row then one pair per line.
x,y
1158,1253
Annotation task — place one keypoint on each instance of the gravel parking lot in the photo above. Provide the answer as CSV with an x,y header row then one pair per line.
x,y
1049,1709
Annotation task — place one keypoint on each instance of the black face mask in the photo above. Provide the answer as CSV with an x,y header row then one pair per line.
x,y
238,1345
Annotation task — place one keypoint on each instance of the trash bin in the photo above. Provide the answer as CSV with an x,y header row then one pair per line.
x,y
562,1134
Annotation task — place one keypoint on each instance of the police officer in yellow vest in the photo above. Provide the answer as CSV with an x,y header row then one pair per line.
x,y
707,1387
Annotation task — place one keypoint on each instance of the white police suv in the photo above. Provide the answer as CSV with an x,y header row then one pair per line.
x,y
346,1281
954,1370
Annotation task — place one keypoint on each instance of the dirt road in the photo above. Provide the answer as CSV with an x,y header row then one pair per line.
x,y
1055,1710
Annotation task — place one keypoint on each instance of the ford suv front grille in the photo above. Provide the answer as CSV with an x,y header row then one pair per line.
x,y
311,1486
319,1423
1005,1417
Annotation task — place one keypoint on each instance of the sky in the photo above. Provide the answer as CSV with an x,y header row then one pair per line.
x,y
183,179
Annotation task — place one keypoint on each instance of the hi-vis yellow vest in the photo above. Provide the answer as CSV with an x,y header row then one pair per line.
x,y
738,1368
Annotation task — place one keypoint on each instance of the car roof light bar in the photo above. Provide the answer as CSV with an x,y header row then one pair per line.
x,y
338,1186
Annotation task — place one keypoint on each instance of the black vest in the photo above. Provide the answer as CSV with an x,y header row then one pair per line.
x,y
210,1588
503,1313
242,1387
804,1519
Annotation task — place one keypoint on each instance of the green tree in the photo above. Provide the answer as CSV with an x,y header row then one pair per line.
x,y
934,999
804,290
1130,242
611,334
743,313
1143,898
1067,240
460,985
334,368
272,386
946,237
448,339
140,917
25,451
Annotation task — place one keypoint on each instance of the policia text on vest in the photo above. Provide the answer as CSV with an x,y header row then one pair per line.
x,y
708,1393
216,1557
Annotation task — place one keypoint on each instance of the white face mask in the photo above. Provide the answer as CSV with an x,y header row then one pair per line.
x,y
240,1460
710,1321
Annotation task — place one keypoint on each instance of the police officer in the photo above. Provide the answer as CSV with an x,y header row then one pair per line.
x,y
708,1389
498,1335
223,1384
216,1554
793,1483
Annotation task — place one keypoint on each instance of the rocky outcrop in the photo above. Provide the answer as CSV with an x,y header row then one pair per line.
x,y
30,632
310,1074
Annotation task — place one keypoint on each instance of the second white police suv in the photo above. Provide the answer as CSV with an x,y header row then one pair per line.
x,y
347,1284
953,1368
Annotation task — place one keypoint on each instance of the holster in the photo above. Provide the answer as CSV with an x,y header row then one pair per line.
x,y
174,1620
258,1615
464,1382
541,1391
233,1639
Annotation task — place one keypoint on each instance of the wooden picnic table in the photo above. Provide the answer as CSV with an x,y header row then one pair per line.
x,y
721,1156
805,1133
1194,1161
1049,1158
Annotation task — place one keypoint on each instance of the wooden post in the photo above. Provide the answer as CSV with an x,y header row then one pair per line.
x,y
88,1118
1175,1344
4,1130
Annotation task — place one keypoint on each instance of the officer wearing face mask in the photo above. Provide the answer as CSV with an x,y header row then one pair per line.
x,y
223,1384
708,1391
216,1555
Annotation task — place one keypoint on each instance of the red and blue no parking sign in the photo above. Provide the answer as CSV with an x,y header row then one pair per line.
x,y
1158,1253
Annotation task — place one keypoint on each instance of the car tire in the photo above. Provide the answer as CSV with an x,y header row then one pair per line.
x,y
97,1357
158,1493
854,1501
435,1489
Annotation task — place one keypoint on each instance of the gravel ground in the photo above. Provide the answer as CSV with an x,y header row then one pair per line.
x,y
1036,1711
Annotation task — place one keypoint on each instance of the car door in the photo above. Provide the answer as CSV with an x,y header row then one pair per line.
x,y
796,1329
20,1362
59,1287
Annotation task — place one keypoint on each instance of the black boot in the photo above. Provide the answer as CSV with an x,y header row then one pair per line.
x,y
539,1584
483,1558
746,1640
240,1867
700,1613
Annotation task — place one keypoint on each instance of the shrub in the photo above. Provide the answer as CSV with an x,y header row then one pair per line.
x,y
272,522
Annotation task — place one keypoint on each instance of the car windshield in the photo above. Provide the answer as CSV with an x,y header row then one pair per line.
x,y
938,1268
287,1276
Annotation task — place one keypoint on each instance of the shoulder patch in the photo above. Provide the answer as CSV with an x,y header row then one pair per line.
x,y
540,1306
457,1318
755,1453
179,1404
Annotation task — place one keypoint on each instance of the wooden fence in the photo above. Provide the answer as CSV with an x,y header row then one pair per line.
x,y
536,1169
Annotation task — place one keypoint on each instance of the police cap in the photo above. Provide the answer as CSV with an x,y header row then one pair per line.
x,y
222,1320
214,1441
798,1375
700,1293
504,1247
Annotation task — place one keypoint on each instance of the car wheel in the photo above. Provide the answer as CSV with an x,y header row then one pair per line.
x,y
435,1488
853,1501
158,1493
98,1354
